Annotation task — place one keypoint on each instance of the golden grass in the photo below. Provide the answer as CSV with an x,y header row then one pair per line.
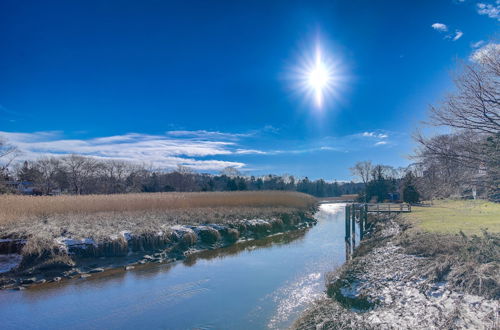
x,y
13,208
452,216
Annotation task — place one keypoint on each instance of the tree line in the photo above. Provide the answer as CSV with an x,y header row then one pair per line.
x,y
76,174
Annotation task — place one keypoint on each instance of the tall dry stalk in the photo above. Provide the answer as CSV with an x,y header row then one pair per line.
x,y
14,207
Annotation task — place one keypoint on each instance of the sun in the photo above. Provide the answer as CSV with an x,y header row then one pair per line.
x,y
319,78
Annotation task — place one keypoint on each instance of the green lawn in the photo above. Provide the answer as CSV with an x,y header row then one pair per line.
x,y
451,216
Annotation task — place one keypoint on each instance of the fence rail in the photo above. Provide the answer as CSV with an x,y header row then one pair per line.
x,y
389,207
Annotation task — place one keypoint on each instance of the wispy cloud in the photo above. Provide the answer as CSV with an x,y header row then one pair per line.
x,y
440,27
490,10
458,35
443,28
375,135
208,135
477,44
158,150
200,150
9,115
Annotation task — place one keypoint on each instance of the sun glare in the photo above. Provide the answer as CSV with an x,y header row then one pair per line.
x,y
319,77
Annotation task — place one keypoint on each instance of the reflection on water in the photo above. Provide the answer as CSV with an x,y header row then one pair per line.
x,y
253,284
249,245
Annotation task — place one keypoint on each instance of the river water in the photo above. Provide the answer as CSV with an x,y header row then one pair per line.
x,y
252,285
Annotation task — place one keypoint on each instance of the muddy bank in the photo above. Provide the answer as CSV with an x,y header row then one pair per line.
x,y
64,257
386,287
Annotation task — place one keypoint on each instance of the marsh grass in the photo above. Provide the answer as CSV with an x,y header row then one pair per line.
x,y
469,263
13,208
102,217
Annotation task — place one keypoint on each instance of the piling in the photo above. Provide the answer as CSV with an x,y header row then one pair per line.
x,y
361,222
347,232
353,226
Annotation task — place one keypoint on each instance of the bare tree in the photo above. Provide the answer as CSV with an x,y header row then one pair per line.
x,y
231,172
50,169
475,105
469,157
80,171
362,170
7,153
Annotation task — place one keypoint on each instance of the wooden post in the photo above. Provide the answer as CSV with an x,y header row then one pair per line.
x,y
362,221
347,232
366,218
353,227
347,221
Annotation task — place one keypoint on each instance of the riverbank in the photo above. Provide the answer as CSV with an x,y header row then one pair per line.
x,y
402,277
82,235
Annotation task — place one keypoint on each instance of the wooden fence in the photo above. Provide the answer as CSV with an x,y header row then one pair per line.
x,y
389,207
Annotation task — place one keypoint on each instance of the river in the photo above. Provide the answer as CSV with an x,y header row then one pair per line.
x,y
252,285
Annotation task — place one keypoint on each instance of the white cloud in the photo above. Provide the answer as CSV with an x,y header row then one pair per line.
x,y
490,10
250,152
479,54
458,35
158,150
440,27
375,135
477,44
203,134
199,150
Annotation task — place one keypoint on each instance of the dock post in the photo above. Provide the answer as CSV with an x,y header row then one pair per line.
x,y
361,222
353,227
347,232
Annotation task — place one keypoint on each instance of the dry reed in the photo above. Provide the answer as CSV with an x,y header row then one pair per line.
x,y
14,208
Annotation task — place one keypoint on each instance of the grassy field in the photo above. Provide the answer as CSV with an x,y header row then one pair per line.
x,y
452,216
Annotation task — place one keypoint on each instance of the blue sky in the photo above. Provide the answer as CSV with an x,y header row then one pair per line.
x,y
209,84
